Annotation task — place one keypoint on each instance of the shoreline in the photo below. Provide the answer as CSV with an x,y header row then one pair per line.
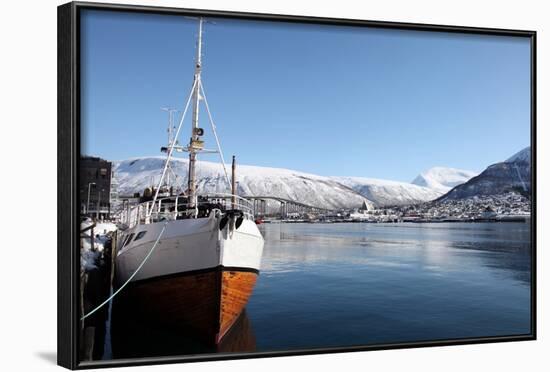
x,y
517,220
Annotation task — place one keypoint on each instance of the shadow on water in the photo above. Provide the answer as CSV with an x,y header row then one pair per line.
x,y
131,336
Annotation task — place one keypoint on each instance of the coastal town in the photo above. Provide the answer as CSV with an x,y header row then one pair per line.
x,y
101,200
499,208
510,207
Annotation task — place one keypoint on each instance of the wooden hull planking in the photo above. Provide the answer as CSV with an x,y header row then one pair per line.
x,y
206,302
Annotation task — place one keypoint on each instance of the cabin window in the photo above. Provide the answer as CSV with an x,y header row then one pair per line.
x,y
140,235
124,239
129,240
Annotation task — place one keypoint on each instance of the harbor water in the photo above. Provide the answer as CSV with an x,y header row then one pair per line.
x,y
348,284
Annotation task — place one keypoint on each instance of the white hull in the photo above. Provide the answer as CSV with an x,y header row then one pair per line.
x,y
189,245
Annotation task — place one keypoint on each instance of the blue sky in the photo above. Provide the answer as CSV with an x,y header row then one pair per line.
x,y
330,100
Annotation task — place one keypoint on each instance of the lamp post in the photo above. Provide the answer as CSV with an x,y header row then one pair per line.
x,y
88,201
98,203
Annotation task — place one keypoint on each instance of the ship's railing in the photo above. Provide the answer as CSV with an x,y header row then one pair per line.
x,y
177,207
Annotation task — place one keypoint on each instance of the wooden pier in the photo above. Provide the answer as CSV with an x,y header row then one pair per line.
x,y
95,287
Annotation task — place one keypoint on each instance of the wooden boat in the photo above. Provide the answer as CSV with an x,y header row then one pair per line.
x,y
190,260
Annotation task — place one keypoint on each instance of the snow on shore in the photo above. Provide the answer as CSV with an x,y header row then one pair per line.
x,y
89,255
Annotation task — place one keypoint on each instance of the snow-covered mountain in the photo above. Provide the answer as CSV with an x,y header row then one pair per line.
x,y
523,155
511,175
134,175
384,192
443,179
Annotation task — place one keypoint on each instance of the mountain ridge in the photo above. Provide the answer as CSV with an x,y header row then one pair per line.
x,y
511,175
135,174
443,179
386,192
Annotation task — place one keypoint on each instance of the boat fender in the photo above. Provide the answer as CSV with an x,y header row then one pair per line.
x,y
223,222
232,222
239,222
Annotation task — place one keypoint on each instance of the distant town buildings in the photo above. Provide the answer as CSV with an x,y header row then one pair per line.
x,y
95,187
502,207
511,206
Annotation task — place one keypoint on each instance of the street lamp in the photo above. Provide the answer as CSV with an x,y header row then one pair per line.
x,y
98,203
88,202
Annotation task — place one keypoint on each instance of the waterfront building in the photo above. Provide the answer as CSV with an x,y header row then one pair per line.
x,y
95,187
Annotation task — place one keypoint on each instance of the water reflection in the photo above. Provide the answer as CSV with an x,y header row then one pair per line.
x,y
135,337
435,247
328,285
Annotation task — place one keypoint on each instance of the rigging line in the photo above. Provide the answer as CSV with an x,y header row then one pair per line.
x,y
131,276
215,134
173,173
184,180
171,150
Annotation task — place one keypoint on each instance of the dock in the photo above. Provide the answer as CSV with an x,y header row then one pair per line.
x,y
98,253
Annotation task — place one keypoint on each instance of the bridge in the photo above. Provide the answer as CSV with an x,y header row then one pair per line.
x,y
286,206
259,205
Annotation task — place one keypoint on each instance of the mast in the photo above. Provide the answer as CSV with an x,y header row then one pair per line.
x,y
195,144
233,184
169,143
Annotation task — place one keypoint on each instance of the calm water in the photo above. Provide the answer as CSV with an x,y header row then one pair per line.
x,y
324,285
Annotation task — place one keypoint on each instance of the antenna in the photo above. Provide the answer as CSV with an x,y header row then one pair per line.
x,y
171,126
171,129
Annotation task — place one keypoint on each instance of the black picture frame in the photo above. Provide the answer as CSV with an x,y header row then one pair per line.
x,y
68,164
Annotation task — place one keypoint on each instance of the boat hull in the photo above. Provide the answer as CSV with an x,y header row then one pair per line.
x,y
205,302
198,278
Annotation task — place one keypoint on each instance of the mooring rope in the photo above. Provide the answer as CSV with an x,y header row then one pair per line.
x,y
131,276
